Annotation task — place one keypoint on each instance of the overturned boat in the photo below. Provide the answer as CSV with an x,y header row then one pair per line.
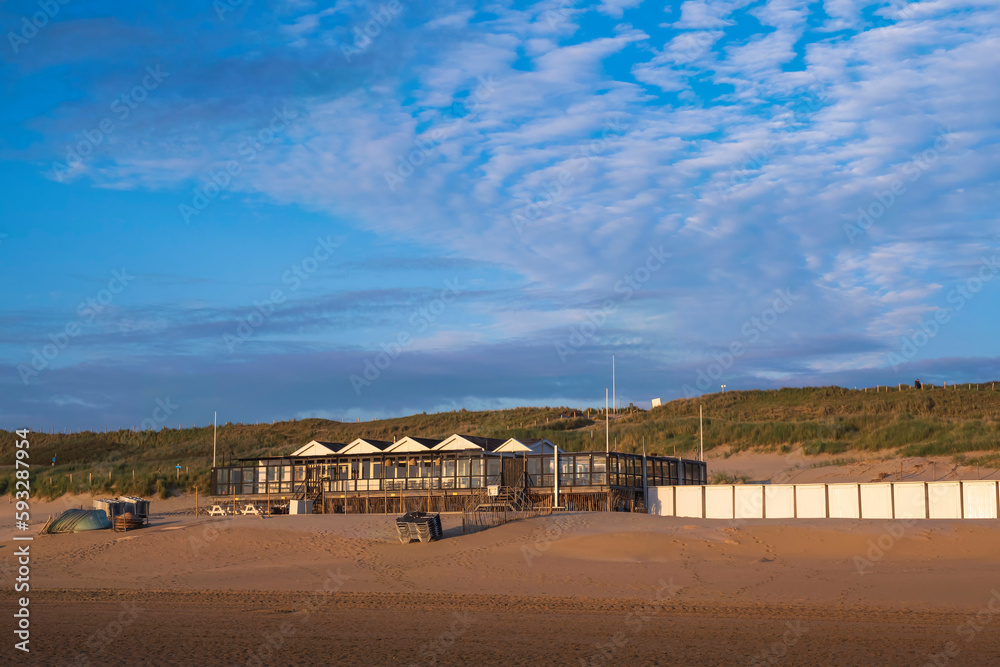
x,y
75,521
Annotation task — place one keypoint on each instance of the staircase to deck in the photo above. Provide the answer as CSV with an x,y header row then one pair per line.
x,y
508,498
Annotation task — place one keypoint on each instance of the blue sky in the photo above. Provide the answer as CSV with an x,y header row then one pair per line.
x,y
355,210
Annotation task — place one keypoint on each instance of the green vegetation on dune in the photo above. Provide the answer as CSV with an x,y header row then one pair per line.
x,y
130,462
830,420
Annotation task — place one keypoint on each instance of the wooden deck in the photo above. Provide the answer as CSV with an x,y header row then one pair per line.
x,y
579,498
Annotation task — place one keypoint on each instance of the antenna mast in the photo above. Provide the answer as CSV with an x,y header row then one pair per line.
x,y
701,430
607,424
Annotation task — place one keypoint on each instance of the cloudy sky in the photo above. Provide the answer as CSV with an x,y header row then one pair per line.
x,y
364,209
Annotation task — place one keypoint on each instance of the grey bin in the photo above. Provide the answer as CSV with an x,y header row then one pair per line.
x,y
137,506
110,507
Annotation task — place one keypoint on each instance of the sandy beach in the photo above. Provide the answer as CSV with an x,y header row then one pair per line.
x,y
582,588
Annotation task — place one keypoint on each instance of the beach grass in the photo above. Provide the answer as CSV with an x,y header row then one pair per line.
x,y
933,421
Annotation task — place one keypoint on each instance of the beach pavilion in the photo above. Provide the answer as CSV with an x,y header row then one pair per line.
x,y
417,473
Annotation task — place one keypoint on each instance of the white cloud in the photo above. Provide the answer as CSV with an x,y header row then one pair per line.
x,y
750,190
616,8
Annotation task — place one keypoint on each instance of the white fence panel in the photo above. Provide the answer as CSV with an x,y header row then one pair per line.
x,y
690,501
810,501
845,503
979,500
669,502
719,501
973,499
779,501
944,500
749,501
876,501
910,500
660,500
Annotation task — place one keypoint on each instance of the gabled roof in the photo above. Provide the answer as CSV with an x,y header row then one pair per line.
x,y
366,446
317,448
469,442
534,445
411,444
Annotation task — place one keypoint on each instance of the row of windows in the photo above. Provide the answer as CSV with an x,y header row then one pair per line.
x,y
452,471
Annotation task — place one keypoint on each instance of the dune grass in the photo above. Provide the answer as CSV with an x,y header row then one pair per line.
x,y
822,420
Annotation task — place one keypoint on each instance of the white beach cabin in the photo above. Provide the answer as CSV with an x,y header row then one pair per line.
x,y
533,446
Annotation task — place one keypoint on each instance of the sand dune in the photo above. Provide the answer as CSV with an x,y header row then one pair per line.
x,y
854,466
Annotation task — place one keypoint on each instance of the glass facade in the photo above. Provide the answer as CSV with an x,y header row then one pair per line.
x,y
449,471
